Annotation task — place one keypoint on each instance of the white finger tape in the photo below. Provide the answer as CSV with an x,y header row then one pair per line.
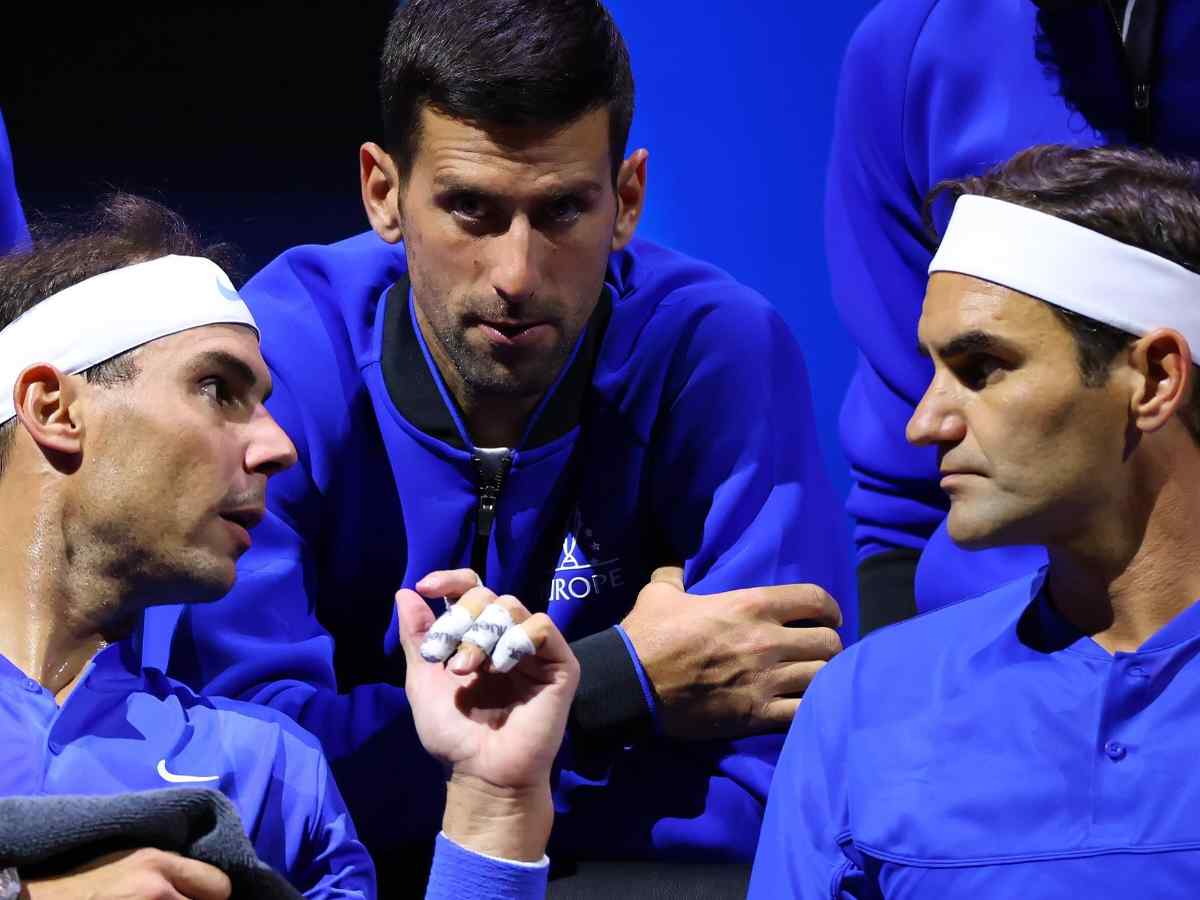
x,y
514,646
488,628
442,639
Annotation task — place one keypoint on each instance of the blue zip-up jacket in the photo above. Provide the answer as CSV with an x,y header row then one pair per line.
x,y
936,89
13,232
1013,758
124,728
698,446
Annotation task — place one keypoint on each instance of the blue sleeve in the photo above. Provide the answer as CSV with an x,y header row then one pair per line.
x,y
805,849
335,863
878,256
458,873
13,232
741,491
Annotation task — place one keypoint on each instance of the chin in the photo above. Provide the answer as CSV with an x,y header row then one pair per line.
x,y
976,533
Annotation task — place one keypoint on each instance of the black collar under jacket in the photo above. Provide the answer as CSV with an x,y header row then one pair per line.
x,y
413,388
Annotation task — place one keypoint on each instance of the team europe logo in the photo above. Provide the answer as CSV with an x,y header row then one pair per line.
x,y
582,570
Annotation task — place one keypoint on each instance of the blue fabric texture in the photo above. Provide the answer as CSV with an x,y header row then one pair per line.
x,y
124,729
936,89
375,503
458,873
1011,757
13,231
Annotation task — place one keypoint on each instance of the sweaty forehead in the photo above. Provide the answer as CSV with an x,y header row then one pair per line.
x,y
181,349
956,304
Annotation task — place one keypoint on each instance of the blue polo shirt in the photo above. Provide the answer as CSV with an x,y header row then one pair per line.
x,y
989,749
127,729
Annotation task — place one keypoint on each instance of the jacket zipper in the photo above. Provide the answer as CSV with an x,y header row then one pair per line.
x,y
492,465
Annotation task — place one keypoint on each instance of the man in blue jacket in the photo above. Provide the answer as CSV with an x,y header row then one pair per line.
x,y
134,454
935,89
1042,744
501,377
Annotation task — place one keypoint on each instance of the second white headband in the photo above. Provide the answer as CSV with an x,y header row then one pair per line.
x,y
1070,266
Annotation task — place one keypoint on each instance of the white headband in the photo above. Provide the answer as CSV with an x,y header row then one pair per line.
x,y
1070,266
105,315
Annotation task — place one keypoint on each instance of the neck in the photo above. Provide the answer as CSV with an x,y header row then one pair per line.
x,y
55,614
1137,569
492,419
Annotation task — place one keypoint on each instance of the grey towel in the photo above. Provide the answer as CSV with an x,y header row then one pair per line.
x,y
51,834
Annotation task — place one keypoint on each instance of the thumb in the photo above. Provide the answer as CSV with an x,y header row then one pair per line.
x,y
672,575
414,618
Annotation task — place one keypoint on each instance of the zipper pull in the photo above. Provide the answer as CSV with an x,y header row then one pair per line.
x,y
492,465
1141,97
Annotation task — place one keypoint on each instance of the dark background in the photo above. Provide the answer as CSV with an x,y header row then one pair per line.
x,y
244,118
247,119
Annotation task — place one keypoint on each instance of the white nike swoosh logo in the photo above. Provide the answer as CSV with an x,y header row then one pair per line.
x,y
182,779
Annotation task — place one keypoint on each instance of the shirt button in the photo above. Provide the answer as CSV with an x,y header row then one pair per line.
x,y
1136,672
32,686
1115,750
54,747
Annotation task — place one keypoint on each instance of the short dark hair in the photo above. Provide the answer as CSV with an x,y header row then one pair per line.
x,y
1136,196
522,63
121,230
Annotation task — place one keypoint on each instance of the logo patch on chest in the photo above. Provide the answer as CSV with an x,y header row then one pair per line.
x,y
583,569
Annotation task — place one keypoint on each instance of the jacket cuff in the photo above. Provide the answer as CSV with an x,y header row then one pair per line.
x,y
458,872
614,704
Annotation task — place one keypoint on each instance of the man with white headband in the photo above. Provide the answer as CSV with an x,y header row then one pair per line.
x,y
1039,740
134,454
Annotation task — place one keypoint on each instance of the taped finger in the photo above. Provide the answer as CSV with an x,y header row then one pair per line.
x,y
493,622
513,646
444,635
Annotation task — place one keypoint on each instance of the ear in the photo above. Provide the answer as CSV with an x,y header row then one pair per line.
x,y
48,406
1162,362
631,197
379,180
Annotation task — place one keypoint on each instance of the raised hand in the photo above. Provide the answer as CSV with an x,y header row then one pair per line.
x,y
497,732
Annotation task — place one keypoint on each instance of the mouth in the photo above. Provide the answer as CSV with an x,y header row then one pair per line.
x,y
952,477
245,517
511,333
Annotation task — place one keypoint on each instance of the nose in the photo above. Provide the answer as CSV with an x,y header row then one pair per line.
x,y
514,266
937,418
269,450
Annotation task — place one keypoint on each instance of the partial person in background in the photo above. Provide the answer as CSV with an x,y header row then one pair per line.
x,y
936,89
134,455
1042,742
501,377
13,232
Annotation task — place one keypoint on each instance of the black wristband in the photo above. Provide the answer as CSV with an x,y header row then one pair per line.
x,y
610,708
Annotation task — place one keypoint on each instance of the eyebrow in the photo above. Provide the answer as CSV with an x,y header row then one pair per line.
x,y
221,359
455,184
970,342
